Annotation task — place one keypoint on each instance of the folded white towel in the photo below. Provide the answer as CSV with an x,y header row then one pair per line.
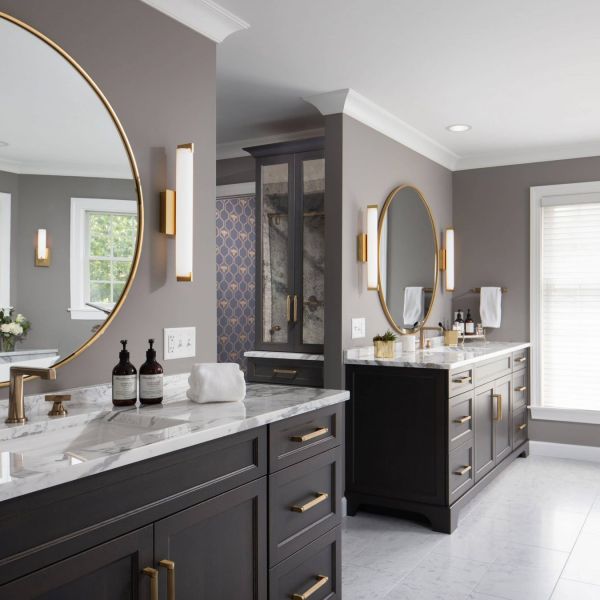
x,y
413,305
490,308
216,382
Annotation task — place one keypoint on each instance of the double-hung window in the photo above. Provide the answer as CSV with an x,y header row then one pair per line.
x,y
565,302
103,241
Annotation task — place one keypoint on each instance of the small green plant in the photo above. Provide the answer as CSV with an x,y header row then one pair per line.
x,y
388,336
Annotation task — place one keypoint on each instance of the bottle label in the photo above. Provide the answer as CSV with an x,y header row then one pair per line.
x,y
470,328
151,386
124,387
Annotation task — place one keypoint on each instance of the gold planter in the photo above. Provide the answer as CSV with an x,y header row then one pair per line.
x,y
385,349
451,338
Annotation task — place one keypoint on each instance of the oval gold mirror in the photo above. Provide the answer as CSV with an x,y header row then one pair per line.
x,y
408,259
71,211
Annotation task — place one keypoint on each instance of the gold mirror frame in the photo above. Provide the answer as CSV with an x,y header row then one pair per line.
x,y
382,216
134,172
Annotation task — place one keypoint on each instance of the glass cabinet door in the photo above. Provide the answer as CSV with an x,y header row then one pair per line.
x,y
275,252
313,250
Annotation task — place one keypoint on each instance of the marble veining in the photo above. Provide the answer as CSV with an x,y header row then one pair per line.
x,y
440,357
284,355
95,437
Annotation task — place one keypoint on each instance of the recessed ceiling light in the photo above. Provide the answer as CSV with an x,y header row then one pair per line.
x,y
3,144
458,128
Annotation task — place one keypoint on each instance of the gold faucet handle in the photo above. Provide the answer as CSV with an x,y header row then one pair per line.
x,y
58,410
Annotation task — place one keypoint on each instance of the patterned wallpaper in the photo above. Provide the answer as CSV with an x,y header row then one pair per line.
x,y
236,253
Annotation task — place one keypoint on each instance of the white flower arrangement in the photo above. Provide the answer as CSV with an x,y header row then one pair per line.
x,y
12,330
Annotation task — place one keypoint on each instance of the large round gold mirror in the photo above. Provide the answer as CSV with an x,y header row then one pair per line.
x,y
408,259
71,212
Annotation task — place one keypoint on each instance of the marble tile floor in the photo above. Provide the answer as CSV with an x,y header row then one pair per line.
x,y
532,534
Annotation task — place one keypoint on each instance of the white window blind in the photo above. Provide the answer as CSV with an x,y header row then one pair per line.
x,y
570,305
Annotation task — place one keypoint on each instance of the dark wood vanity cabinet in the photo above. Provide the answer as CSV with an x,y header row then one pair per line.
x,y
426,440
231,521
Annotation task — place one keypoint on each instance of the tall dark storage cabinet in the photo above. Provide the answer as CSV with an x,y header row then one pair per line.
x,y
290,253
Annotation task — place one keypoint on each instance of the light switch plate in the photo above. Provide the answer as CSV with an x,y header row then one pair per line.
x,y
358,328
180,342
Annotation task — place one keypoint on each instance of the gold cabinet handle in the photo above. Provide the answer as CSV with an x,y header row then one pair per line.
x,y
293,372
463,471
321,581
170,566
153,574
522,426
310,436
300,508
466,379
462,420
295,308
498,406
523,388
288,310
522,359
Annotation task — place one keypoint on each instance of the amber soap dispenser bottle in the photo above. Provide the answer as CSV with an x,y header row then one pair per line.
x,y
151,378
124,380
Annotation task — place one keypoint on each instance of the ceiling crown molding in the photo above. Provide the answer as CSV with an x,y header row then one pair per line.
x,y
204,16
353,104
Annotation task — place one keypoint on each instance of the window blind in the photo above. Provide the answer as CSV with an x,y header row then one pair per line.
x,y
570,305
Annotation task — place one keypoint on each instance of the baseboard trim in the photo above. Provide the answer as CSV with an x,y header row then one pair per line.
x,y
572,451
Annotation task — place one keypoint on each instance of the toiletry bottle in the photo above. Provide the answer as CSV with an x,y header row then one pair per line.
x,y
460,321
151,378
469,324
124,380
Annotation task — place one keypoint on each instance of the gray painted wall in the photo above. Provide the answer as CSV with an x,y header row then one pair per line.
x,y
130,50
236,170
491,217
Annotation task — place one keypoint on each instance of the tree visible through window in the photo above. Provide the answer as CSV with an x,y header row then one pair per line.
x,y
110,249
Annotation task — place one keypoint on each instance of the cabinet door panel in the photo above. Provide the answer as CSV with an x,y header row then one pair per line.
x,y
483,430
502,416
111,571
218,546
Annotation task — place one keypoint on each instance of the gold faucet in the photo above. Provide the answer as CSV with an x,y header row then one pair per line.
x,y
16,400
422,335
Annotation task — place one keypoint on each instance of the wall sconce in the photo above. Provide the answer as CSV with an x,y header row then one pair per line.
x,y
447,259
177,212
367,248
42,252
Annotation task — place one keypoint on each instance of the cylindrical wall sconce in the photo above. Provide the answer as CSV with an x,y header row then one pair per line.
x,y
42,252
447,259
367,248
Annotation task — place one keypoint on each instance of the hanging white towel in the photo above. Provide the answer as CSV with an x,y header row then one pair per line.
x,y
216,382
413,305
490,308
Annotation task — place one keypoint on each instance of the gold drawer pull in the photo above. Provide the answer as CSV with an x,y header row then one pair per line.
x,y
292,372
295,308
522,359
466,379
463,419
498,406
300,508
463,471
170,566
153,574
522,426
523,388
321,581
310,436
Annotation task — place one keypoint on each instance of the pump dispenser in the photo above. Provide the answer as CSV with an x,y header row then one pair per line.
x,y
151,378
124,380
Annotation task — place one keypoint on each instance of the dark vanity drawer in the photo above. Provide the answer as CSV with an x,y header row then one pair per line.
x,y
493,369
301,437
520,383
520,359
460,381
316,566
461,472
304,503
460,426
289,372
520,426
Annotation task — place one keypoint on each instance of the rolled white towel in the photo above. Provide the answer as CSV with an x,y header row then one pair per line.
x,y
216,382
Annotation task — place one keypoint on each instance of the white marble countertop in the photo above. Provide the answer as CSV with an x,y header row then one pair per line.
x,y
282,355
438,357
95,437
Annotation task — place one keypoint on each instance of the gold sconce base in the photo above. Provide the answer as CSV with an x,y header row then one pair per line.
x,y
168,211
361,248
187,277
42,262
442,259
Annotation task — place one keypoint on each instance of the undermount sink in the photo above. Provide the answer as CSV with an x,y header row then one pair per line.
x,y
69,441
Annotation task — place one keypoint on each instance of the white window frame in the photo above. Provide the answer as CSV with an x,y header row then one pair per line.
x,y
540,196
80,207
5,237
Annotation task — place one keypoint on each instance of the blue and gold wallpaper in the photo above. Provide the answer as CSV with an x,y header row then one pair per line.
x,y
236,255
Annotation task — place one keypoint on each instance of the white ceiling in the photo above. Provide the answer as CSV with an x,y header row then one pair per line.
x,y
525,75
51,119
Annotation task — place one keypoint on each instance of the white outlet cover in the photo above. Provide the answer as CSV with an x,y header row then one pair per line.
x,y
358,328
179,342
